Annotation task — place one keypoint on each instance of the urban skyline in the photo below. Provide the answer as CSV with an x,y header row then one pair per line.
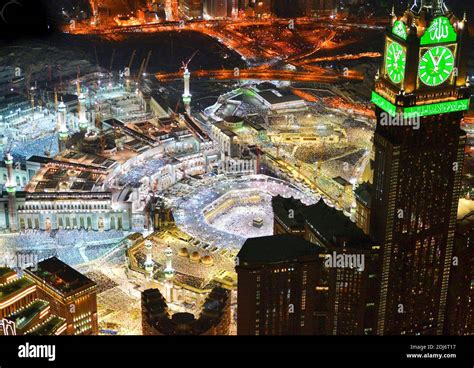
x,y
237,167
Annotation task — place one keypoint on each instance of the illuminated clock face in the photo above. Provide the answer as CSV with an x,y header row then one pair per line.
x,y
436,66
395,62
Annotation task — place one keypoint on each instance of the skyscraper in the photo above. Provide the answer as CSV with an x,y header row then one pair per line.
x,y
191,8
277,277
22,312
350,265
460,305
216,8
420,95
72,295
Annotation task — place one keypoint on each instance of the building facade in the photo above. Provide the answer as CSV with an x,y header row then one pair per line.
x,y
418,164
22,311
460,304
72,296
277,276
350,269
72,210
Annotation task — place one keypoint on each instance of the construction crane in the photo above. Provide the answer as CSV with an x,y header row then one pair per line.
x,y
112,61
96,58
185,64
143,66
128,69
131,59
175,112
78,82
47,151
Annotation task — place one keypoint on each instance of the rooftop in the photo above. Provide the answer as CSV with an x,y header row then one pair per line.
x,y
275,249
341,181
6,272
13,287
50,327
334,227
24,316
265,86
60,276
364,193
282,207
277,96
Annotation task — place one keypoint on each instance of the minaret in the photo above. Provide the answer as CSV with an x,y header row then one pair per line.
x,y
61,117
10,186
149,257
83,123
186,95
169,271
55,100
433,7
63,137
81,108
61,127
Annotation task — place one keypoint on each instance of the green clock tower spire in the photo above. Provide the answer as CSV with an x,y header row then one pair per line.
x,y
417,169
435,7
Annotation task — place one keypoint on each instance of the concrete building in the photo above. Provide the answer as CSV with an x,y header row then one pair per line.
x,y
363,197
52,211
72,296
191,8
216,8
351,261
277,276
23,311
277,99
460,308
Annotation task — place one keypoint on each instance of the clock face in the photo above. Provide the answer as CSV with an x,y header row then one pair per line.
x,y
395,62
436,66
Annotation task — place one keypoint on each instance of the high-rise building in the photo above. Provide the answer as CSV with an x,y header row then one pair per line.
x,y
420,95
350,269
325,6
191,8
21,311
277,277
287,8
460,305
363,197
288,216
10,186
346,293
71,295
216,8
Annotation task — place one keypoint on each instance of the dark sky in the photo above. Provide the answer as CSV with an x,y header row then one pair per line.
x,y
23,17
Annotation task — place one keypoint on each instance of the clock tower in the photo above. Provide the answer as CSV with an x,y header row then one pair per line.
x,y
421,93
